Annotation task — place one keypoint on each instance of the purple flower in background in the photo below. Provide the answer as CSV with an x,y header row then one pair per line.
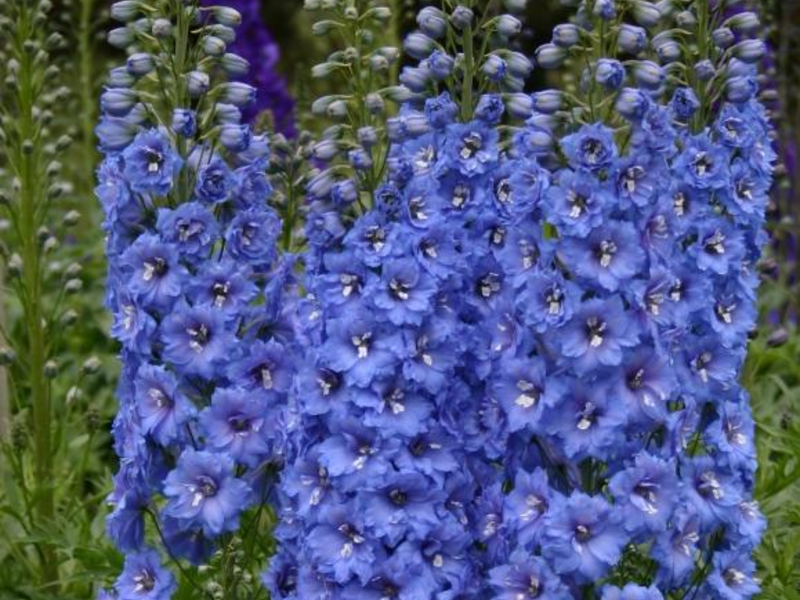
x,y
256,45
143,578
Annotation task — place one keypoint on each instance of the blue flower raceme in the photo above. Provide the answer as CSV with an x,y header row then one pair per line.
x,y
199,294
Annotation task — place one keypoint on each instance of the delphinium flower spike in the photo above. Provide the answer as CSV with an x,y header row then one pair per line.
x,y
200,296
413,352
660,170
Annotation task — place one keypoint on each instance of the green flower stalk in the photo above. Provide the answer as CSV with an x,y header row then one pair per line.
x,y
30,187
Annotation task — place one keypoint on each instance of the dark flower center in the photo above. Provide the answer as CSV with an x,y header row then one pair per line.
x,y
351,533
708,486
416,206
498,235
362,343
636,379
398,497
461,195
399,289
744,189
715,244
425,158
376,236
677,290
418,447
577,204
350,283
144,581
701,363
429,248
473,143
679,204
220,291
204,487
605,252
646,491
702,164
534,587
529,394
503,191
154,159
187,229
263,375
199,336
554,297
724,312
239,423
583,533
593,150
249,232
158,396
328,382
154,267
595,328
631,177
654,301
733,435
488,285
733,577
587,417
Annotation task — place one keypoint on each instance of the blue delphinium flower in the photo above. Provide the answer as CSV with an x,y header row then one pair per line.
x,y
144,578
202,299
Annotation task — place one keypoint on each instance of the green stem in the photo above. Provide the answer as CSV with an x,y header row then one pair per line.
x,y
30,202
5,403
88,101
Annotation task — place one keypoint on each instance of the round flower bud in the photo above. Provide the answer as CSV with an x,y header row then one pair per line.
x,y
235,138
125,10
227,16
121,37
519,65
118,101
71,219
749,51
415,78
51,369
381,14
632,39
214,46
745,22
337,109
374,103
548,101
162,28
566,35
120,78
234,65
648,74
705,70
686,19
550,56
495,68
723,37
432,22
519,105
14,266
610,73
378,63
741,89
184,122
668,51
632,104
462,17
91,365
140,64
605,9
198,83
7,356
419,45
73,286
226,34
367,136
508,25
646,14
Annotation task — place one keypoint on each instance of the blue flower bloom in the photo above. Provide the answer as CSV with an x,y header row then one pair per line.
x,y
525,393
143,578
252,235
156,276
646,493
582,538
526,578
591,148
191,227
162,407
196,339
215,181
472,147
631,592
203,491
236,424
150,163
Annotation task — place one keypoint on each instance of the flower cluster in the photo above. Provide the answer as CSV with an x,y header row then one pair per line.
x,y
523,364
198,292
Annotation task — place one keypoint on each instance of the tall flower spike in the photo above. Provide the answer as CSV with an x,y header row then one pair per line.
x,y
199,294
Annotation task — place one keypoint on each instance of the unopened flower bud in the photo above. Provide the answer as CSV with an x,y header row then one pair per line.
x,y
51,369
462,17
